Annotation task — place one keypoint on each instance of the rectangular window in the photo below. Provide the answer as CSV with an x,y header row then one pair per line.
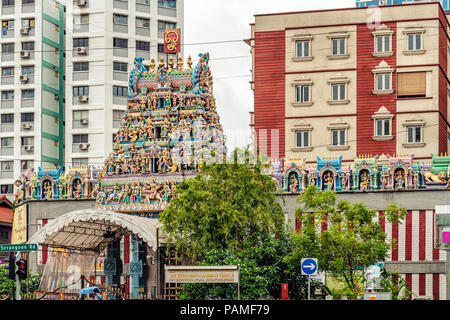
x,y
27,141
142,45
7,142
28,94
81,19
338,137
7,166
302,94
414,41
302,139
383,81
26,164
7,3
7,118
383,127
27,1
28,46
80,66
7,95
142,23
80,114
28,23
117,118
119,91
120,66
120,43
80,91
8,72
167,3
80,162
338,91
27,117
8,48
164,25
302,48
80,138
160,48
411,84
338,46
414,134
9,24
29,70
383,43
120,19
6,188
80,42
147,2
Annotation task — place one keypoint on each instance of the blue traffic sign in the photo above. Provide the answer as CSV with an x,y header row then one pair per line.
x,y
309,266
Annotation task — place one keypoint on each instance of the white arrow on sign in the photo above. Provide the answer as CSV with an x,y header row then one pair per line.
x,y
309,266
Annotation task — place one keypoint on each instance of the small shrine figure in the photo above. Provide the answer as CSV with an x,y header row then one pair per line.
x,y
33,186
415,180
77,190
448,183
126,194
48,191
61,194
344,182
312,180
365,181
329,181
293,184
167,101
399,180
384,180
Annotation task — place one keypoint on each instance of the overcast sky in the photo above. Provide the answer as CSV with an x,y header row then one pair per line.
x,y
209,21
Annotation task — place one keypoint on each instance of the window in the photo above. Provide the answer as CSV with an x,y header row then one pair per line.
x,y
27,141
7,118
8,48
80,162
29,46
120,66
302,94
147,2
4,235
7,166
163,25
80,91
338,91
27,1
28,94
27,117
80,138
160,48
7,95
78,115
117,118
383,81
338,46
414,134
119,91
120,19
167,3
28,70
302,49
302,138
7,2
28,23
414,41
81,19
120,43
338,138
9,24
80,66
6,188
26,164
142,23
80,42
8,72
7,142
383,127
383,43
143,45
411,84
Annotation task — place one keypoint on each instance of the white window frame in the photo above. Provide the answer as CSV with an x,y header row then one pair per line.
x,y
339,139
415,42
302,133
383,48
303,52
384,117
341,48
339,91
413,130
385,85
383,122
302,93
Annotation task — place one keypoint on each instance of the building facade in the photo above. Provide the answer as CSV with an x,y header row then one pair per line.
x,y
70,86
6,217
364,3
338,83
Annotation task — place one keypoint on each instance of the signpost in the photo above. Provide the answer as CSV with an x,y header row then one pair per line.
x,y
18,247
309,268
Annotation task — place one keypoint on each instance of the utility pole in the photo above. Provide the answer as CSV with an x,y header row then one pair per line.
x,y
18,284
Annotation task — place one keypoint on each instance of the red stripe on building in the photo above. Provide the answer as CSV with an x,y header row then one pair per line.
x,y
298,224
435,286
44,248
395,241
382,221
368,103
422,234
408,280
126,249
443,95
435,251
324,224
408,236
269,89
422,284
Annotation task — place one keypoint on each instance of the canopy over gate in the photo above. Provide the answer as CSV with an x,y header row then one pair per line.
x,y
94,229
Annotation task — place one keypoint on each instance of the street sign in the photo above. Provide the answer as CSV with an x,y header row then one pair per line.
x,y
18,247
309,266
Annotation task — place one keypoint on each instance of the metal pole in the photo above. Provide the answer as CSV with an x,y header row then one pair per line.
x,y
239,283
18,284
158,286
309,287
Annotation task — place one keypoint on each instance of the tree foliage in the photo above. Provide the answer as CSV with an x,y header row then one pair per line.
x,y
353,238
6,283
220,207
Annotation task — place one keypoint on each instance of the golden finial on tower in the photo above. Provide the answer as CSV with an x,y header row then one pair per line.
x,y
189,63
161,62
152,65
170,64
180,64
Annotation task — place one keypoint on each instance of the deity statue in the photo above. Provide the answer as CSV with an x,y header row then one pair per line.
x,y
365,181
328,181
416,180
384,180
293,184
48,191
399,179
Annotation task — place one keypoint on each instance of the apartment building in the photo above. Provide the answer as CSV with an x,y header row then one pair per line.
x,y
63,102
364,3
334,82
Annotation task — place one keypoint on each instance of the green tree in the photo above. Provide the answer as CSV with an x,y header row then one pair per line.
x,y
220,207
352,241
6,283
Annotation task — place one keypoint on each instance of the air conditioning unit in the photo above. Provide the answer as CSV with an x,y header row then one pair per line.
x,y
81,50
24,54
24,78
28,148
84,121
24,31
83,146
83,98
81,3
382,2
27,125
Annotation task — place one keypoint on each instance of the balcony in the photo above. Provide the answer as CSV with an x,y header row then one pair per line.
x,y
120,76
142,7
6,127
7,174
28,8
27,150
8,10
80,27
168,12
7,104
27,126
120,4
6,151
120,52
27,103
9,34
7,56
9,80
80,147
80,124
